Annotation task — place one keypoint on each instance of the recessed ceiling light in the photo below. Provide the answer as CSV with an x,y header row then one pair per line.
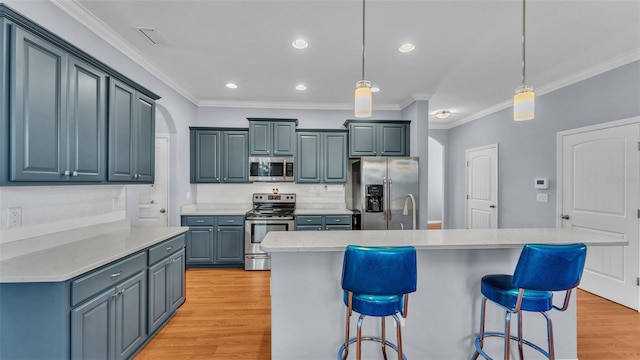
x,y
299,44
443,114
406,47
375,89
301,87
231,85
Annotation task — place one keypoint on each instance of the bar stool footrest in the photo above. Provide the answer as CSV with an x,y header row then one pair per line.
x,y
369,338
481,352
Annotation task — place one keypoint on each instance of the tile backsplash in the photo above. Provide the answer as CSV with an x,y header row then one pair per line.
x,y
50,209
312,196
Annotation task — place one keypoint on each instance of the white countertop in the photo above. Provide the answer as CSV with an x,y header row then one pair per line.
x,y
323,241
209,212
65,261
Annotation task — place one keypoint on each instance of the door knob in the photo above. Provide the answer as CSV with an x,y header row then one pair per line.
x,y
564,217
162,211
492,206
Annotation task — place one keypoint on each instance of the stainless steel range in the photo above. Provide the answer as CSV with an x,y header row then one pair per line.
x,y
271,212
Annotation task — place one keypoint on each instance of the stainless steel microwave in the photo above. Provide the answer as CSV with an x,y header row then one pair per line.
x,y
273,169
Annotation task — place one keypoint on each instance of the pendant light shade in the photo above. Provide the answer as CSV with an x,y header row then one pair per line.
x,y
363,98
524,103
524,99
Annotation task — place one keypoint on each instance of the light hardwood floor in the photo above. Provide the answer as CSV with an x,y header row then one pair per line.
x,y
227,316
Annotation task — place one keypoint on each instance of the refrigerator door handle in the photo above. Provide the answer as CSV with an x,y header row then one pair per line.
x,y
385,187
389,216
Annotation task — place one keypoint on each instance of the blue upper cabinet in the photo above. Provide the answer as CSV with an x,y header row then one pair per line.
x,y
131,135
378,138
321,156
219,155
55,98
272,137
57,114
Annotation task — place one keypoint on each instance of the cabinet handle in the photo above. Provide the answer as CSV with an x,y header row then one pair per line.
x,y
75,173
66,173
115,275
338,220
218,230
169,248
199,221
225,179
210,230
230,221
308,220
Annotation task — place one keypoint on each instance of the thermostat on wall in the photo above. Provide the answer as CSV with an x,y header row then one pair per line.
x,y
542,183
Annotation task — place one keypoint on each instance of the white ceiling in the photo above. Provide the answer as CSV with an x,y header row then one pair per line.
x,y
467,57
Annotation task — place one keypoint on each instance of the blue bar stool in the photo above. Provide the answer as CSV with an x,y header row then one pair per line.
x,y
541,270
377,282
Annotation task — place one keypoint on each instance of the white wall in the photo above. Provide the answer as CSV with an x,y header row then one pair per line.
x,y
435,184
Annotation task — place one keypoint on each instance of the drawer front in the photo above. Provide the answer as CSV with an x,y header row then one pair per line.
x,y
338,227
166,248
230,220
338,220
197,220
309,220
308,227
98,280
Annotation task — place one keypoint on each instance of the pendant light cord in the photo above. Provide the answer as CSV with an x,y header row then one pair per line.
x,y
523,40
363,39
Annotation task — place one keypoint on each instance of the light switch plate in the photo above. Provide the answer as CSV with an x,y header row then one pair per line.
x,y
541,197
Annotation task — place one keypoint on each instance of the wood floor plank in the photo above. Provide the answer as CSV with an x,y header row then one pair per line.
x,y
227,315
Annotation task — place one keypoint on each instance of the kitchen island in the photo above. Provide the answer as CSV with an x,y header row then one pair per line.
x,y
307,312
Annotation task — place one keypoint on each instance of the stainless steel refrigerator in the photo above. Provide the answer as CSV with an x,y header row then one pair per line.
x,y
386,191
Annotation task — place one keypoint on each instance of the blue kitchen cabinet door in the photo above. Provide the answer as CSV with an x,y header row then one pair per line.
x,y
200,245
309,157
235,157
230,245
92,331
284,138
392,140
260,137
87,126
166,289
362,140
205,158
334,157
144,139
131,315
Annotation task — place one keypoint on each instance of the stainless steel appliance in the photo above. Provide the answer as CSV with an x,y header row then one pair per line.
x,y
270,212
274,169
380,187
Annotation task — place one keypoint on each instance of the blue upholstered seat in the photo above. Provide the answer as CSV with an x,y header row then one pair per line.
x,y
541,270
376,282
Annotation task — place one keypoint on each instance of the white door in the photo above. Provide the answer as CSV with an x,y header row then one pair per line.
x,y
482,187
599,191
153,203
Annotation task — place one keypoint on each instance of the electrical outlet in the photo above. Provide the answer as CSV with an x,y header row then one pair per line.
x,y
542,197
14,217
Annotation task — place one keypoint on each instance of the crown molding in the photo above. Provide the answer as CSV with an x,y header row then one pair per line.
x,y
603,67
286,105
415,97
79,13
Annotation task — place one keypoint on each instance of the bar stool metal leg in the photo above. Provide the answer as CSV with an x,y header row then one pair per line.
x,y
507,335
346,336
520,349
383,336
399,335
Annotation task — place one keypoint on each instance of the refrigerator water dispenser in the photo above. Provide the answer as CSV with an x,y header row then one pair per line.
x,y
375,198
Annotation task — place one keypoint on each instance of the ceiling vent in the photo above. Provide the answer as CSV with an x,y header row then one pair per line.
x,y
152,35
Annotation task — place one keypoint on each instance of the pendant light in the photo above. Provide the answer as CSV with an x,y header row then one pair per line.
x,y
524,99
363,98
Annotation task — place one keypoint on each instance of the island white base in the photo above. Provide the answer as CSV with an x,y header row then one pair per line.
x,y
308,314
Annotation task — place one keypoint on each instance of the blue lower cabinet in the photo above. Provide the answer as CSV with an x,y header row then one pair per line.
x,y
166,289
323,222
107,313
214,241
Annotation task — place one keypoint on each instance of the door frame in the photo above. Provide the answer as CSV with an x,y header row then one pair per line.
x,y
560,164
466,181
